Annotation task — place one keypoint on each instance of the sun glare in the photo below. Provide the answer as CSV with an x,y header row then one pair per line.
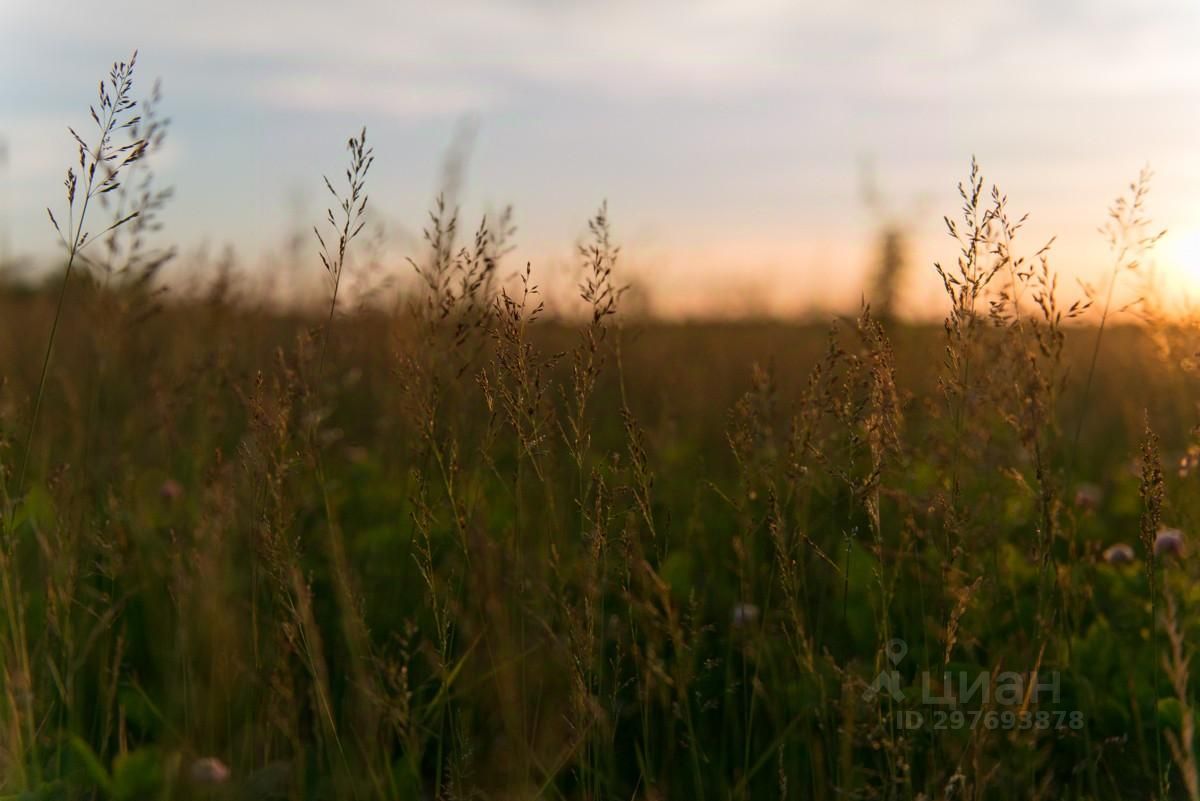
x,y
1182,263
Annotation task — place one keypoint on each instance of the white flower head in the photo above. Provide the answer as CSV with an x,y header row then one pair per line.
x,y
1119,554
1169,542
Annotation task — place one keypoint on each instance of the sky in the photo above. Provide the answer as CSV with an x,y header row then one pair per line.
x,y
728,138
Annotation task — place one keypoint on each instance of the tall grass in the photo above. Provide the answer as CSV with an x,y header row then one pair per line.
x,y
451,545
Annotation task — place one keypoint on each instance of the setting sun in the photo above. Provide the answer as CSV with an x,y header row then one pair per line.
x,y
1181,262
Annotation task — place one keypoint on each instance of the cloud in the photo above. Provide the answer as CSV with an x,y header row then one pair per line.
x,y
398,55
31,152
348,91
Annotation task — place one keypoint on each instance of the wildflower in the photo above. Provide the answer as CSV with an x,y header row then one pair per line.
x,y
1119,554
744,615
1189,461
209,770
171,490
1169,542
1088,497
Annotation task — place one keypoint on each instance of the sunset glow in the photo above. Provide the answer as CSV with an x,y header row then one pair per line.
x,y
1181,262
737,130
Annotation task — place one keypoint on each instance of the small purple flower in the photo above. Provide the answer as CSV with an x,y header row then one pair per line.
x,y
171,490
1119,554
1169,542
209,770
1088,497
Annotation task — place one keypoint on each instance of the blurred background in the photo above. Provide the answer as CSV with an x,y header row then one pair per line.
x,y
759,157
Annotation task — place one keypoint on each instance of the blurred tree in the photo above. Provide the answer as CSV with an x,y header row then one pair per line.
x,y
891,248
889,270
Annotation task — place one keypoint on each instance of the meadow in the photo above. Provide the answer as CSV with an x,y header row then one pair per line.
x,y
452,544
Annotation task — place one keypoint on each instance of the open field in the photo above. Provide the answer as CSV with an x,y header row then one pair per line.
x,y
395,574
451,546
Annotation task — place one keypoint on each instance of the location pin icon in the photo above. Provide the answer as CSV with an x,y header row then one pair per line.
x,y
896,649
